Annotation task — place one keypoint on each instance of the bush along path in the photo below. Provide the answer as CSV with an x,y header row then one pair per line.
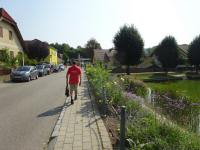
x,y
144,128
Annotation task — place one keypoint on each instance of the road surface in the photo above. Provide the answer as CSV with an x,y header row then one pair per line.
x,y
29,110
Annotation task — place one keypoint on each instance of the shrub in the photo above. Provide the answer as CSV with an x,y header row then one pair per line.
x,y
136,86
29,61
4,55
19,58
100,80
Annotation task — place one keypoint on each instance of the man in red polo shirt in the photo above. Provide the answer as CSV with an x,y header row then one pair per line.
x,y
73,78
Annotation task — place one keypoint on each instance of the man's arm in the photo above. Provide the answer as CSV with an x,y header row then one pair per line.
x,y
67,78
80,77
80,80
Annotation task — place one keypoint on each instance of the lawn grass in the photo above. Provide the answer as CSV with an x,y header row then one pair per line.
x,y
152,76
189,88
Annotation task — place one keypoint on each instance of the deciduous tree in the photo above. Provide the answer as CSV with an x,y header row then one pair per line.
x,y
37,49
167,53
90,46
129,46
194,53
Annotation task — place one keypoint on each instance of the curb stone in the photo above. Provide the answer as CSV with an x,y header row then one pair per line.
x,y
55,132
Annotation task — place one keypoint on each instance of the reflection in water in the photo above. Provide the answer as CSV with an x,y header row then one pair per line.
x,y
181,111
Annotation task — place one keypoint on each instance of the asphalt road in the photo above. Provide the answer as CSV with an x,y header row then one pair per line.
x,y
29,110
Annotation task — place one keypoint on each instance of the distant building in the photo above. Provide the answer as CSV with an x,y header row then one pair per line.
x,y
103,55
10,36
53,56
183,50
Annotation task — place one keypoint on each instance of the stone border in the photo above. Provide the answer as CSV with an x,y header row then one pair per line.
x,y
55,132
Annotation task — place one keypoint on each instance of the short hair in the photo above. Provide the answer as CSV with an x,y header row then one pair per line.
x,y
74,63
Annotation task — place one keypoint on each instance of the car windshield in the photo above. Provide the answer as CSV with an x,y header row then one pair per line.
x,y
39,66
24,68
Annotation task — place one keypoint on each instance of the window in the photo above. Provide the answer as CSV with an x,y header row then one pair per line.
x,y
1,31
10,35
20,53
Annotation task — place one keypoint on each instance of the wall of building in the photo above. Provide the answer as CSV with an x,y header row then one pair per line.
x,y
14,44
52,58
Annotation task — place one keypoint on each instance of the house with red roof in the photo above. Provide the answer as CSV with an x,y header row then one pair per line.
x,y
10,36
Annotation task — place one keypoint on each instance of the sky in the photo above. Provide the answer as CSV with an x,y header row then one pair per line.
x,y
76,21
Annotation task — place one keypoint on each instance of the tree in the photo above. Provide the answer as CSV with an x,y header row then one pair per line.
x,y
69,52
4,55
90,46
81,51
37,49
167,53
194,53
129,46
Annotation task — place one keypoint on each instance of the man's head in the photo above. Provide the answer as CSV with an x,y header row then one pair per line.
x,y
73,63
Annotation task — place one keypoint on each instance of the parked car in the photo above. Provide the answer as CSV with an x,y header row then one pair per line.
x,y
56,68
24,73
62,67
48,67
42,70
52,68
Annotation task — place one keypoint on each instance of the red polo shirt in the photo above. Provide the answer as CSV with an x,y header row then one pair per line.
x,y
74,73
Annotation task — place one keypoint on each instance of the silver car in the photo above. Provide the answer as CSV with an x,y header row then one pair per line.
x,y
42,70
24,73
61,67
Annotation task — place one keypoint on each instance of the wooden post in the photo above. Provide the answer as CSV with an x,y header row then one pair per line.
x,y
122,128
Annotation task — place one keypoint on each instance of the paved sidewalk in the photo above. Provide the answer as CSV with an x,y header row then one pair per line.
x,y
80,126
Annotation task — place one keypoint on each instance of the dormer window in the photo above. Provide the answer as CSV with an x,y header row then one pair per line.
x,y
10,35
1,31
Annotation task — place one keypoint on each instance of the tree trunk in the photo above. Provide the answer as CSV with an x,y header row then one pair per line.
x,y
128,70
196,68
166,71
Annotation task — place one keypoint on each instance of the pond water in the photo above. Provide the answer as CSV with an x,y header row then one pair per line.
x,y
182,112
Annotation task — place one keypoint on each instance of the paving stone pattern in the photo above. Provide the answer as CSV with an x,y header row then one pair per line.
x,y
80,126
